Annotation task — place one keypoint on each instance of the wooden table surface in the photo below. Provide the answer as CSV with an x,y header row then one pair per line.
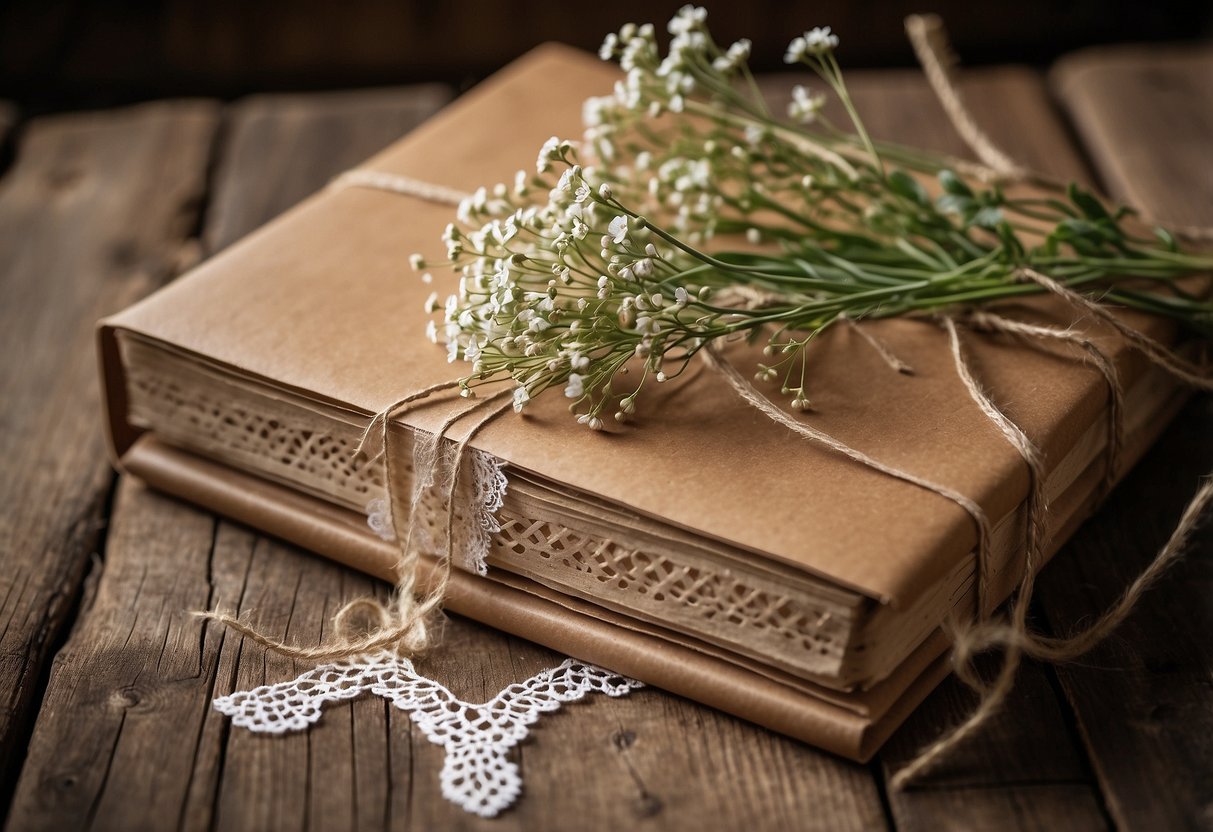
x,y
106,680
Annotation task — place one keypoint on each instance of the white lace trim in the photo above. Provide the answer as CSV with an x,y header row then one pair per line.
x,y
489,485
379,518
476,774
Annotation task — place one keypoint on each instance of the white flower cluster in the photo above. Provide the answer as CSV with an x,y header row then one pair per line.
x,y
693,62
805,106
565,293
815,42
562,286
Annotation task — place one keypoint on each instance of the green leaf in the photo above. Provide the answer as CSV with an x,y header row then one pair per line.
x,y
907,186
1010,241
1166,238
953,184
1091,207
987,217
950,203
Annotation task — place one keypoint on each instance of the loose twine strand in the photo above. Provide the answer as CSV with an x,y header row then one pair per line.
x,y
929,39
984,321
378,180
963,638
882,349
400,623
714,358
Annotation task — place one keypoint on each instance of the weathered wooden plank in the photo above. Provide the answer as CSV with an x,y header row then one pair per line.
x,y
334,776
290,145
128,728
1142,698
92,215
1040,807
648,759
81,46
128,691
1145,117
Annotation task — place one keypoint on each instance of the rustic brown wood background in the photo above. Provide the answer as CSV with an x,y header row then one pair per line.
x,y
56,53
106,680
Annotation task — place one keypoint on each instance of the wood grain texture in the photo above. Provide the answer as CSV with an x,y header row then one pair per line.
x,y
1145,116
1143,698
164,560
293,144
93,214
222,47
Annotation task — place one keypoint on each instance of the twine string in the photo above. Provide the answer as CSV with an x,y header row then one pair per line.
x,y
930,42
1159,355
929,37
982,320
882,349
1066,648
379,180
715,359
964,640
402,621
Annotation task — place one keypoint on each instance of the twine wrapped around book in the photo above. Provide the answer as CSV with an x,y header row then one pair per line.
x,y
401,623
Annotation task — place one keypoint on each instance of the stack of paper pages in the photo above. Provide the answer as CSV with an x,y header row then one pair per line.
x,y
703,549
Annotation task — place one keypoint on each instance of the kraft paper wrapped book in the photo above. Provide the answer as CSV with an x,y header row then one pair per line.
x,y
772,579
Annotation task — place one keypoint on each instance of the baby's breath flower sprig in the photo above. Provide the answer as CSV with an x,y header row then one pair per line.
x,y
600,278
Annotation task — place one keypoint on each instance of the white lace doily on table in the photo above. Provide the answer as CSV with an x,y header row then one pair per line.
x,y
476,774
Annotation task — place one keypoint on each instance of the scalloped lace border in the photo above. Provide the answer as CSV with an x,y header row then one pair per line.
x,y
476,774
